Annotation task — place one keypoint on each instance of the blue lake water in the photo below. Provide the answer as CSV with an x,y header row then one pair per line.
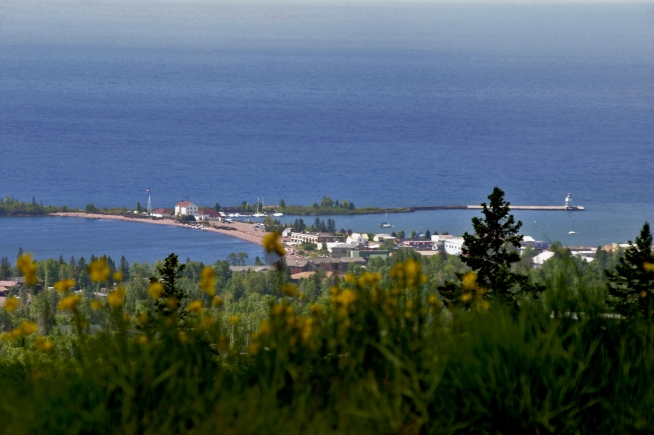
x,y
50,237
395,105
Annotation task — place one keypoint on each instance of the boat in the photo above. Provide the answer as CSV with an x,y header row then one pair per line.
x,y
573,227
259,213
386,224
278,214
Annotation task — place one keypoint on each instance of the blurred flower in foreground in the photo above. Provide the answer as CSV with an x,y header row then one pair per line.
x,y
98,270
155,290
116,297
43,345
649,267
27,328
272,243
11,303
68,303
64,285
208,281
27,267
195,306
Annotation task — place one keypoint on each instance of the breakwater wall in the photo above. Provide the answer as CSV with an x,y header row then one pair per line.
x,y
512,207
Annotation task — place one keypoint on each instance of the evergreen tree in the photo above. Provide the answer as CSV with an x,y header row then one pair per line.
x,y
413,235
138,207
258,262
124,268
400,234
216,207
428,235
282,204
488,252
632,284
172,298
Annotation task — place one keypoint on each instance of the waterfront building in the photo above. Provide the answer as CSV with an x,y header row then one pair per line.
x,y
185,208
453,246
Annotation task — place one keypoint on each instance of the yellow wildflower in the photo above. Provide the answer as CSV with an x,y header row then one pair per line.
x,y
116,297
155,290
346,298
466,297
43,345
142,319
649,267
272,243
11,303
68,303
277,310
433,300
96,305
171,303
27,328
255,348
182,337
483,305
233,320
289,290
469,281
316,309
643,294
208,281
118,276
195,306
217,301
206,321
265,328
28,268
349,278
141,339
64,285
369,279
99,271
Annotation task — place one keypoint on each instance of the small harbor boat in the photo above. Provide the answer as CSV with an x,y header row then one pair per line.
x,y
386,224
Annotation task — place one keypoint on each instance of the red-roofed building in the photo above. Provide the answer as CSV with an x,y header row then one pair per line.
x,y
185,208
208,214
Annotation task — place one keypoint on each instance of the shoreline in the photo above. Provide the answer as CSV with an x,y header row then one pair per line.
x,y
240,230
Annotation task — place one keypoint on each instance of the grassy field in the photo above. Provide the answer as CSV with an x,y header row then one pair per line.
x,y
382,356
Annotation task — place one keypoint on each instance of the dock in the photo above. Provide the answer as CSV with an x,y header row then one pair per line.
x,y
512,207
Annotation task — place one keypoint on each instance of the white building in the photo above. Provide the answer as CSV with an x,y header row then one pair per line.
x,y
357,238
208,214
453,246
542,258
538,245
287,232
381,238
185,208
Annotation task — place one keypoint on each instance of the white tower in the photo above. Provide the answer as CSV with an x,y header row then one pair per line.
x,y
568,201
149,203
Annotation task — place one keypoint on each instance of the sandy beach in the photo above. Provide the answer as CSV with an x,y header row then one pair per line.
x,y
241,230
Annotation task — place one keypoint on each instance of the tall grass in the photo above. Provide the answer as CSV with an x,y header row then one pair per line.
x,y
383,358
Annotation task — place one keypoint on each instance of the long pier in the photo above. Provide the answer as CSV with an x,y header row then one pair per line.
x,y
512,207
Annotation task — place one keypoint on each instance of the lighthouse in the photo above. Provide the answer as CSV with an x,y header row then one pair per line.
x,y
568,201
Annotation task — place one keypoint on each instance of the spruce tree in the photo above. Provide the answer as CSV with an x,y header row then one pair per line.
x,y
488,251
171,300
632,284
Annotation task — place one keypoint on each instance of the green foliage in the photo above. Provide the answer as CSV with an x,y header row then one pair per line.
x,y
632,283
171,301
490,251
368,354
237,259
10,206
